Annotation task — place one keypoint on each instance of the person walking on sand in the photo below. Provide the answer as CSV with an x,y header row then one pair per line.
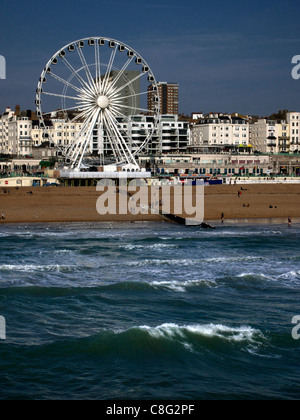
x,y
222,218
290,221
3,216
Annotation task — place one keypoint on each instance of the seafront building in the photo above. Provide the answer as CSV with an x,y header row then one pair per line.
x,y
226,132
6,147
191,165
20,136
207,165
293,120
212,145
58,131
169,98
268,136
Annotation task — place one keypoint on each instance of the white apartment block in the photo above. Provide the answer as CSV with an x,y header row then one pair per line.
x,y
265,136
171,134
272,137
59,133
293,120
15,134
19,136
222,131
5,146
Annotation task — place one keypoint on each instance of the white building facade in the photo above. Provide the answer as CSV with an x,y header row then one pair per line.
x,y
19,136
265,136
293,120
272,137
5,147
222,131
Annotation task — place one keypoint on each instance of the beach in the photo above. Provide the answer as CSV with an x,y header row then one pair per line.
x,y
58,204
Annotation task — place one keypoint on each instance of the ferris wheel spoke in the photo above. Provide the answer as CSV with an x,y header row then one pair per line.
x,y
124,145
81,115
127,84
98,66
82,141
89,136
117,114
75,73
74,108
115,138
89,76
120,74
70,85
100,134
137,108
111,138
76,144
130,96
108,71
60,96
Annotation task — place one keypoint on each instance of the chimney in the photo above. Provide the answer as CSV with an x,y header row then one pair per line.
x,y
18,110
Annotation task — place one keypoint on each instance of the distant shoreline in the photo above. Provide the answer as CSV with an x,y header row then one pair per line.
x,y
233,222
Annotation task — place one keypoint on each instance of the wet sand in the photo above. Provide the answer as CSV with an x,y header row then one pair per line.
x,y
44,205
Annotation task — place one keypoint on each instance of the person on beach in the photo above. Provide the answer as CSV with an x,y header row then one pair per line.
x,y
2,216
290,221
222,218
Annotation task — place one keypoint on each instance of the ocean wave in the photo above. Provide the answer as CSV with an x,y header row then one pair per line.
x,y
254,276
157,262
65,252
155,247
190,261
291,275
169,339
229,334
181,286
31,268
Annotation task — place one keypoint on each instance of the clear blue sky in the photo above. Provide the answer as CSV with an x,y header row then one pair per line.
x,y
228,56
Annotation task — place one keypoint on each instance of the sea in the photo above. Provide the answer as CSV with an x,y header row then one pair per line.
x,y
150,311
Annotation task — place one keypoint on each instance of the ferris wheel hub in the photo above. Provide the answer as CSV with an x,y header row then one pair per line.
x,y
103,102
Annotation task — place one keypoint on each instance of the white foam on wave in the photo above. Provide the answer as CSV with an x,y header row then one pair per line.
x,y
256,275
65,252
156,247
291,275
157,262
171,331
241,258
36,268
3,235
190,261
181,286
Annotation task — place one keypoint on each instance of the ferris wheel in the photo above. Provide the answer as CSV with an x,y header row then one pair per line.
x,y
100,86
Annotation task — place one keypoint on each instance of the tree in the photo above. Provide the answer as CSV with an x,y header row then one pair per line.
x,y
280,116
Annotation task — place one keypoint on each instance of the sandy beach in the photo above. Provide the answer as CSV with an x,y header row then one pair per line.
x,y
44,205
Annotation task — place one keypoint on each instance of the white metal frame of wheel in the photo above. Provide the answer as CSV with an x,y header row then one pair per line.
x,y
87,89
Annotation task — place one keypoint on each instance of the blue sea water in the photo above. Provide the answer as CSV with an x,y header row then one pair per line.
x,y
149,311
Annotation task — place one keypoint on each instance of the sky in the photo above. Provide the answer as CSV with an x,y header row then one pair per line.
x,y
227,56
